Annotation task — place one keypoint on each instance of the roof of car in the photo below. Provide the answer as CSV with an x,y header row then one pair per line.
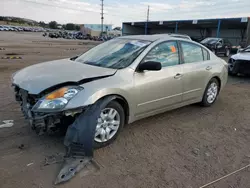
x,y
147,37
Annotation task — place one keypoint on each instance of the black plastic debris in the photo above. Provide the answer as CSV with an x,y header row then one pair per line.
x,y
79,141
2,48
71,166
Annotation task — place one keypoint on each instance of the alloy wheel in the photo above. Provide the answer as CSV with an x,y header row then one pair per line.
x,y
108,124
212,92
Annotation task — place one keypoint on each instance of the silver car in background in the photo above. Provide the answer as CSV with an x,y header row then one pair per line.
x,y
144,75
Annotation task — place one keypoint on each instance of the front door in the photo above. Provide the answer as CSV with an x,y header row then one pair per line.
x,y
156,90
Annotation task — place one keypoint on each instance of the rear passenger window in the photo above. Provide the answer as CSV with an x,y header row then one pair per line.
x,y
205,55
191,52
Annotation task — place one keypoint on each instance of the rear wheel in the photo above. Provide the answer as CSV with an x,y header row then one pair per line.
x,y
211,92
109,124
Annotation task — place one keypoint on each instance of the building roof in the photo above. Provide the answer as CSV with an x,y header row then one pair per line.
x,y
229,23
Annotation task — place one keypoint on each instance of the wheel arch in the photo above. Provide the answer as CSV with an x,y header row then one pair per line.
x,y
122,101
218,79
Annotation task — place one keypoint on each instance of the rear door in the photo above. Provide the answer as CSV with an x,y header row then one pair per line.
x,y
196,70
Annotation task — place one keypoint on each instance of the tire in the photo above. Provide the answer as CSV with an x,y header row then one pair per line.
x,y
206,100
227,53
119,109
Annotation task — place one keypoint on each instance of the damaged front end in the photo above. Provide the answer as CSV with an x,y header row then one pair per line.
x,y
80,124
43,122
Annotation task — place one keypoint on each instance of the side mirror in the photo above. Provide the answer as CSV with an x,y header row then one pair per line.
x,y
150,65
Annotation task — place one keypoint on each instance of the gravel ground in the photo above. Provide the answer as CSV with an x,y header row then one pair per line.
x,y
185,148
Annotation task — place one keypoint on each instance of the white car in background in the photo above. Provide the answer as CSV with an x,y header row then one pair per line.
x,y
182,36
240,62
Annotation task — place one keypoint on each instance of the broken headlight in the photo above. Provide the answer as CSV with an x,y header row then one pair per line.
x,y
57,99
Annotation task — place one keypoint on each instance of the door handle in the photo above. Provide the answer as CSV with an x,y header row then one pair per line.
x,y
208,68
177,76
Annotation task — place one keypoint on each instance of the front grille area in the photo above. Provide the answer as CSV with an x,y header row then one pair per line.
x,y
26,100
23,95
40,122
243,66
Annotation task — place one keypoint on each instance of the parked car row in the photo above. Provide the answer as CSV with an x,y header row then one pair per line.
x,y
21,28
75,35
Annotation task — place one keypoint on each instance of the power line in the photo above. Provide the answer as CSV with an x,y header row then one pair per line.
x,y
229,8
67,8
209,8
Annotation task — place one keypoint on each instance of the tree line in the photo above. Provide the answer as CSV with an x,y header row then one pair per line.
x,y
68,26
51,25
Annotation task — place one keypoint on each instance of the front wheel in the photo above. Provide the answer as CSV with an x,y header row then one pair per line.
x,y
211,92
109,124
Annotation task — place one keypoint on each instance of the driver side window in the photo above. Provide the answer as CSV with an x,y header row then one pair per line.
x,y
166,53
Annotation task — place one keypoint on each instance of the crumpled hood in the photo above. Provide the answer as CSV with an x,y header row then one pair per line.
x,y
242,56
37,78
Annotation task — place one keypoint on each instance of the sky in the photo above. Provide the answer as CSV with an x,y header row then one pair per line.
x,y
118,11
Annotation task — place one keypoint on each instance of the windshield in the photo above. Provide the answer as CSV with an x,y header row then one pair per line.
x,y
115,54
210,40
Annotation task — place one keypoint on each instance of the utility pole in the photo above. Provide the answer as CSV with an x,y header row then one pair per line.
x,y
146,25
102,18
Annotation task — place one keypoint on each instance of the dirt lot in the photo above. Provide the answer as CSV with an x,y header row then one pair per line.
x,y
184,148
